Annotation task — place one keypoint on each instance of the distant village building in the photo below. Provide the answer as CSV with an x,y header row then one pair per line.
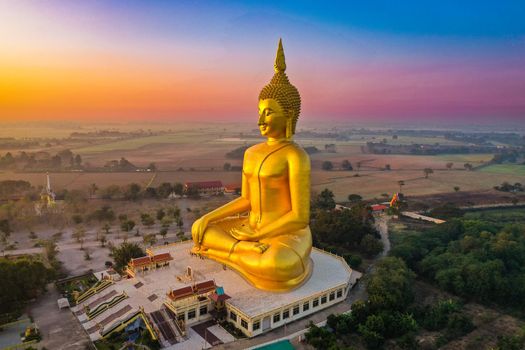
x,y
330,148
205,187
232,189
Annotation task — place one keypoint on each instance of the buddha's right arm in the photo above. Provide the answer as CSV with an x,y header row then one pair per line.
x,y
236,206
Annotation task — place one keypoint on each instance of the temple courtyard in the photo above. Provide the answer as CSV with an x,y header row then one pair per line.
x,y
179,295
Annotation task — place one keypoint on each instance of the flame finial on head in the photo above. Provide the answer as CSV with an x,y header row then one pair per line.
x,y
280,63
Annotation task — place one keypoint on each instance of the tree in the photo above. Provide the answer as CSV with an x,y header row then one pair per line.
x,y
111,192
5,227
79,234
449,165
346,165
152,167
370,245
390,286
468,166
78,160
327,165
178,188
180,223
124,253
147,220
149,239
354,198
227,166
92,189
103,214
164,190
388,167
160,214
132,192
127,225
456,188
106,228
427,171
325,200
103,240
163,232
77,219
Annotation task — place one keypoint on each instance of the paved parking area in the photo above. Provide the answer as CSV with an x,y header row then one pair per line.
x,y
60,329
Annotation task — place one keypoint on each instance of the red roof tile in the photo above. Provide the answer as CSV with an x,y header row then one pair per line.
x,y
162,257
142,261
204,287
180,293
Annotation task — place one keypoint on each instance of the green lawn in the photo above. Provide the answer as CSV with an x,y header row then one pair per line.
x,y
508,169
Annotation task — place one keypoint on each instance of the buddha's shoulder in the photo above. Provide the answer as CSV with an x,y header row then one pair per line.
x,y
296,150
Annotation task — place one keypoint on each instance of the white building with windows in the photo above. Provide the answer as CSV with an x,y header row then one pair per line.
x,y
191,290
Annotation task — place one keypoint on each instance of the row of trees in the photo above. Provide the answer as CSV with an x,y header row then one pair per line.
x,y
64,159
22,280
475,259
345,231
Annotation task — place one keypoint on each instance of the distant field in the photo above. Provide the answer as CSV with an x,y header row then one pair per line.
x,y
135,143
510,169
402,140
466,158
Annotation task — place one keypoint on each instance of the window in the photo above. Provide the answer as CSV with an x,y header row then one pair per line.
x,y
296,309
323,299
315,303
203,310
191,314
181,317
233,316
244,324
256,325
276,318
286,314
339,293
332,296
306,306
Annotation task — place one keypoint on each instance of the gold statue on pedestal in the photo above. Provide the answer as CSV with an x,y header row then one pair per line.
x,y
270,246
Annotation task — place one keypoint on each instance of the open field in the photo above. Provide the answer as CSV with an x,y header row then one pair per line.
x,y
505,169
466,158
199,154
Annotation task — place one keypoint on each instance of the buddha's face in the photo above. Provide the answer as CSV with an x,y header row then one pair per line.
x,y
272,119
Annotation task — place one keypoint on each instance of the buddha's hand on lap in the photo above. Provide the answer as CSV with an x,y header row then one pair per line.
x,y
197,230
244,233
261,247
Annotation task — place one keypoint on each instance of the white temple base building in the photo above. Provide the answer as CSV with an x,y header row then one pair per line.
x,y
186,291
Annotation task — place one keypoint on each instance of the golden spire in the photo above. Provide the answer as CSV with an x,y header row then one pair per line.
x,y
280,64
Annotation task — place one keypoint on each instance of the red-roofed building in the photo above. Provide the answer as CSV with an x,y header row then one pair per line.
x,y
181,293
378,208
148,262
192,304
205,187
232,188
161,258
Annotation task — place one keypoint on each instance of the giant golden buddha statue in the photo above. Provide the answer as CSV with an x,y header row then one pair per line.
x,y
270,246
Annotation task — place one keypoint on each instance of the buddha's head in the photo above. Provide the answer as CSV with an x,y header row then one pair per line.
x,y
279,102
